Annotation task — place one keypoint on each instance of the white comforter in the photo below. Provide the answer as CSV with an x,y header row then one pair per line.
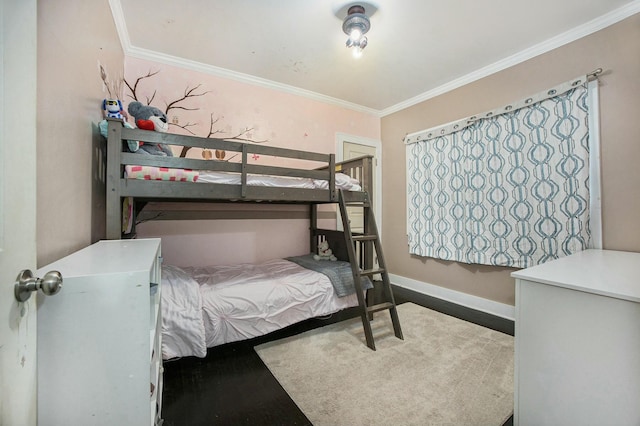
x,y
343,181
206,307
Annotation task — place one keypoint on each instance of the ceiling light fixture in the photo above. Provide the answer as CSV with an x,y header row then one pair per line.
x,y
356,25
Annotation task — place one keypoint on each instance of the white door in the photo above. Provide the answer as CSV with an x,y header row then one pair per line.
x,y
18,76
349,146
354,150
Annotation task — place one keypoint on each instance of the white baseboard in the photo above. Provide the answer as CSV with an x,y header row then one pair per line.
x,y
473,302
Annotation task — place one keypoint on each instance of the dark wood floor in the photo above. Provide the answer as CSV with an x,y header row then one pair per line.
x,y
231,386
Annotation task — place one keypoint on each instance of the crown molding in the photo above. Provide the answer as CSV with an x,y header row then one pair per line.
x,y
137,52
150,55
576,33
590,27
121,26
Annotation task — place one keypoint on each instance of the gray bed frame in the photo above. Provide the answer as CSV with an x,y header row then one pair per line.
x,y
358,249
144,191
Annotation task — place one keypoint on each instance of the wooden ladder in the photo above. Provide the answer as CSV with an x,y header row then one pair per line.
x,y
370,237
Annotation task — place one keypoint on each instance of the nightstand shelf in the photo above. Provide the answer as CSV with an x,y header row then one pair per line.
x,y
99,340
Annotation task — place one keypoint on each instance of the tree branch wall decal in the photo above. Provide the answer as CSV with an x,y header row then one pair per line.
x,y
179,104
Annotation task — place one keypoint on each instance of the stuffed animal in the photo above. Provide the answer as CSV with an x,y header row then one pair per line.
x,y
112,108
324,252
133,146
148,117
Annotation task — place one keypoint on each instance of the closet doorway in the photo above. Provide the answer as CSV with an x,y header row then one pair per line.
x,y
347,147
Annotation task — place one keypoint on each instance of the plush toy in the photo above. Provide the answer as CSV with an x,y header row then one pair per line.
x,y
112,108
324,252
148,117
133,146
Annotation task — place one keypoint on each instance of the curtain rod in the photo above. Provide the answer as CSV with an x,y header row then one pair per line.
x,y
595,73
453,126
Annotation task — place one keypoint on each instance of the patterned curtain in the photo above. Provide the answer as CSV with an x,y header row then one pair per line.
x,y
507,188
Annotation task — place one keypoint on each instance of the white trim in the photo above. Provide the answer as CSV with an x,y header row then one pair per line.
x,y
595,197
150,55
3,137
574,34
590,27
121,25
463,299
140,53
341,138
406,188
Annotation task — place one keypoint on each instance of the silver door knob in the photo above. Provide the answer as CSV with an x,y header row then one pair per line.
x,y
26,283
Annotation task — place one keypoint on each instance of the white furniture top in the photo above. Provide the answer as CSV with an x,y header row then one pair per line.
x,y
605,272
107,257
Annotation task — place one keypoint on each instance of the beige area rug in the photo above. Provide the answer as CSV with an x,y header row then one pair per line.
x,y
445,372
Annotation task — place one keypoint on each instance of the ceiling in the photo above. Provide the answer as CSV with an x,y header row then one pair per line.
x,y
417,48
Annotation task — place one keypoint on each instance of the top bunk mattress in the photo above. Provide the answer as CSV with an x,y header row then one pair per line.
x,y
343,181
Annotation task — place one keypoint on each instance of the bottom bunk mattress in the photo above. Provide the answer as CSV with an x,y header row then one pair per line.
x,y
203,307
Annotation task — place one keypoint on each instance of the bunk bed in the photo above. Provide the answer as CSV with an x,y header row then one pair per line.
x,y
240,181
192,322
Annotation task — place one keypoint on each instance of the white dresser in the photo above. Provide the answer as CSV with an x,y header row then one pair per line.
x,y
99,353
577,341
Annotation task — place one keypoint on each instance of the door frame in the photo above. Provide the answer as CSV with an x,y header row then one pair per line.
x,y
341,139
18,139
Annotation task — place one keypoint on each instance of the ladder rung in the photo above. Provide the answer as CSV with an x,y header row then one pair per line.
x,y
366,312
380,307
369,272
364,237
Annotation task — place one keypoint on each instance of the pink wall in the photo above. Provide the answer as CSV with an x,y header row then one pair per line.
x,y
70,94
280,118
283,119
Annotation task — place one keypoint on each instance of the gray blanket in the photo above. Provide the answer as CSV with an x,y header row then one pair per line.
x,y
339,273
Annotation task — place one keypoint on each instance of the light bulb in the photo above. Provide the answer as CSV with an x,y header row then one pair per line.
x,y
355,34
357,52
